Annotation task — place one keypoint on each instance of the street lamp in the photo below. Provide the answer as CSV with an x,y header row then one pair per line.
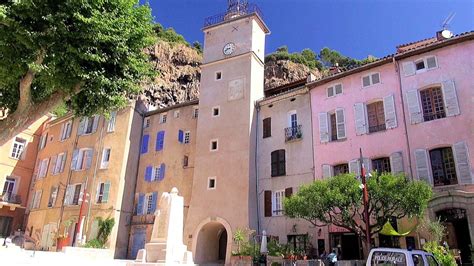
x,y
365,199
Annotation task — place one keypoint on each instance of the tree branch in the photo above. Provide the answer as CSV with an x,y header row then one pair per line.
x,y
25,83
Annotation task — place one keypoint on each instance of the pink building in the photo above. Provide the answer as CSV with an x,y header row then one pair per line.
x,y
410,112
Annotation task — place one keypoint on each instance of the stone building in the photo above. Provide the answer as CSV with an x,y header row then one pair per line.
x,y
91,155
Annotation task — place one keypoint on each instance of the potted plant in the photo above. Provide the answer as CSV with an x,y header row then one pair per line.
x,y
244,250
63,238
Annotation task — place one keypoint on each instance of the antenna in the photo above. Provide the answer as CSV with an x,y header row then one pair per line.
x,y
446,22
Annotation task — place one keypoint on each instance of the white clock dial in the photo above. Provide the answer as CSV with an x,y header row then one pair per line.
x,y
229,48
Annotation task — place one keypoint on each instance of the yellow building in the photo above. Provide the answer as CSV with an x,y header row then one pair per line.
x,y
94,155
167,155
17,161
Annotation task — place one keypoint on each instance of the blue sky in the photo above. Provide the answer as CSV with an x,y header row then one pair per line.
x,y
356,28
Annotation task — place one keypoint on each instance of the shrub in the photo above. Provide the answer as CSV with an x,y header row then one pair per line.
x,y
94,243
442,255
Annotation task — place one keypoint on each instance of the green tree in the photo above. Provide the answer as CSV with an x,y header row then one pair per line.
x,y
197,45
89,53
338,201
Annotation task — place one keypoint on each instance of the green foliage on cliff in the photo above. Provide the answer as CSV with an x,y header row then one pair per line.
x,y
168,35
307,57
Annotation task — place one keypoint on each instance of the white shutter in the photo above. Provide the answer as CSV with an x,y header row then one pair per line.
x,y
95,123
68,195
68,129
409,69
23,152
53,164
88,154
396,163
389,112
450,98
82,124
75,154
354,167
97,193
367,165
461,155
360,118
327,171
63,133
414,107
422,165
63,161
323,127
340,123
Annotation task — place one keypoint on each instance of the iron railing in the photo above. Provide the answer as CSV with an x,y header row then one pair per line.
x,y
434,115
10,198
235,11
292,133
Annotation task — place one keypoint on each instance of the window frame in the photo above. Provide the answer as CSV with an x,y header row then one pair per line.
x,y
443,166
214,182
66,131
147,122
176,114
163,118
187,137
211,146
370,79
111,122
279,200
105,164
277,162
149,204
432,91
267,127
381,125
214,109
334,91
381,162
218,75
195,112
19,153
340,166
424,59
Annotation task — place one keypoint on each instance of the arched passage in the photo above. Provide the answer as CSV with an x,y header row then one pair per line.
x,y
213,242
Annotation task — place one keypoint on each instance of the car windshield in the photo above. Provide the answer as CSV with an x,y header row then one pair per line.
x,y
385,258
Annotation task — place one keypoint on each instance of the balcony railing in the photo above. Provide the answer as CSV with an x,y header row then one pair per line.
x,y
10,198
293,133
235,11
434,115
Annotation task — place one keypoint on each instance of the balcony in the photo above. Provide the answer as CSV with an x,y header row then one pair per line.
x,y
235,10
10,198
293,133
143,219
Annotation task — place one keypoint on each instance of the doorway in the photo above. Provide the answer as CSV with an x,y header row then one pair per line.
x,y
222,245
5,226
347,245
138,242
211,245
457,227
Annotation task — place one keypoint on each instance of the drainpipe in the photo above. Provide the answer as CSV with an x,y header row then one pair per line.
x,y
397,69
257,107
311,130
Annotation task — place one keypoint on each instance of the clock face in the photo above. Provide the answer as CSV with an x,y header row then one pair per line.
x,y
229,48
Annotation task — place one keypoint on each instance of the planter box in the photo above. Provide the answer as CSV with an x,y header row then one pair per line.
x,y
241,260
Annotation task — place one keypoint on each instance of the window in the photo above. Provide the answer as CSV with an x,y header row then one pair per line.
x,y
332,118
195,112
163,118
381,165
66,129
52,196
160,140
218,75
81,159
267,127
214,145
334,90
146,123
185,161
149,205
88,125
293,119
431,260
278,197
278,163
9,189
59,164
144,148
105,158
156,173
419,65
376,116
187,137
341,169
443,167
432,104
18,148
111,122
43,140
43,170
176,114
211,183
417,260
37,199
215,111
102,195
425,63
370,79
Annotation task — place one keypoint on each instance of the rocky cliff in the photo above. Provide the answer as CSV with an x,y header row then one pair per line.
x,y
179,74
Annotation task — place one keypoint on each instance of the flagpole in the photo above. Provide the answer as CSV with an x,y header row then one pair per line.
x,y
365,199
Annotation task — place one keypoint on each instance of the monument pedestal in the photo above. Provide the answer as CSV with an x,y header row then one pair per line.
x,y
166,246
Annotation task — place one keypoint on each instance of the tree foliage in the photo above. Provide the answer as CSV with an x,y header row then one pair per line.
x,y
338,201
307,57
89,52
168,35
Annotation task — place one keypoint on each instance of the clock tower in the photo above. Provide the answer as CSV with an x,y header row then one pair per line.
x,y
224,186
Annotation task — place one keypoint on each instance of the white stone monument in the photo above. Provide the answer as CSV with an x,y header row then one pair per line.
x,y
166,245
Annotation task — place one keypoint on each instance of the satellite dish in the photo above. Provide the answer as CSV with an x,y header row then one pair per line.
x,y
447,34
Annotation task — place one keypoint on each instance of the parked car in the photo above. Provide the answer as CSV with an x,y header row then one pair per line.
x,y
400,257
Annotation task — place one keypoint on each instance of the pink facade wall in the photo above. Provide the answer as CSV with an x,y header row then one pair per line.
x,y
374,145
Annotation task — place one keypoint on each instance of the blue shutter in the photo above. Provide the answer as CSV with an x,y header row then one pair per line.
x,y
162,172
160,140
148,172
153,203
180,136
144,148
141,199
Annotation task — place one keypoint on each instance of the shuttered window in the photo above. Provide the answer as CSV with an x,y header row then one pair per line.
x,y
278,163
140,203
332,118
144,148
160,141
381,165
267,127
77,194
376,116
443,167
432,104
341,169
278,197
268,203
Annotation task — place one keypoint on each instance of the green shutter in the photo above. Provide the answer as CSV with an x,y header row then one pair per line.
x,y
105,196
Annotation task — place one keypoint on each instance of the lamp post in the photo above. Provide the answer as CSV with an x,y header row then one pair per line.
x,y
365,200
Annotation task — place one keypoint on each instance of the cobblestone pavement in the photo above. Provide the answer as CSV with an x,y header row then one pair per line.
x,y
16,256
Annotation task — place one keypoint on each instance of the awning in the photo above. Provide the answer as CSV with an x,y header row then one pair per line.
x,y
388,230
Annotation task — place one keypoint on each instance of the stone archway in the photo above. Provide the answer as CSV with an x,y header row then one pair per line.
x,y
212,242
